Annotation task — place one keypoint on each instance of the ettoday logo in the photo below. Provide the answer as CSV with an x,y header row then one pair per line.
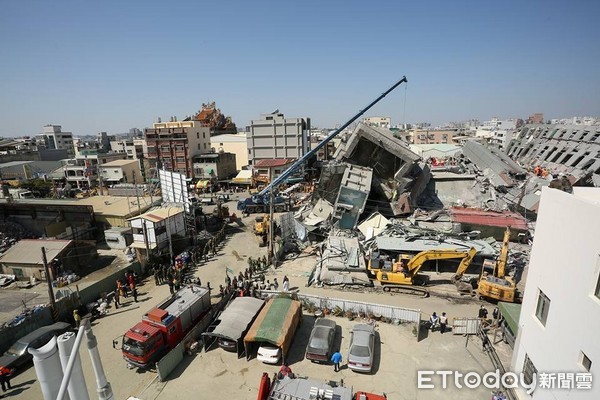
x,y
472,380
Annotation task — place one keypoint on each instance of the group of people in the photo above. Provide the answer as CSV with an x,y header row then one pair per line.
x,y
259,263
252,280
440,322
126,286
210,247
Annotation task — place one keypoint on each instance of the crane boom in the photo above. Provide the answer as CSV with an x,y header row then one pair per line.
x,y
286,174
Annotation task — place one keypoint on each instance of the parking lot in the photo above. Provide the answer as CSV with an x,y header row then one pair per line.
x,y
397,359
219,374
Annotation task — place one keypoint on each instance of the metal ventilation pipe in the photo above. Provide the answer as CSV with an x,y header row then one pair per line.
x,y
46,361
103,387
77,387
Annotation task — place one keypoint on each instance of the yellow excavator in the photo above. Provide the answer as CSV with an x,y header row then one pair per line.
x,y
493,283
261,229
403,275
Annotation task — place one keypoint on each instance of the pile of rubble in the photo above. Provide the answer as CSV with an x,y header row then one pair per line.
x,y
11,233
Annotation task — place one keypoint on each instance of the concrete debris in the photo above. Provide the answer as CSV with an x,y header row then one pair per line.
x,y
373,225
399,177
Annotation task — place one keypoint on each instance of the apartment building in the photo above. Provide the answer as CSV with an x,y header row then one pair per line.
x,y
560,314
82,171
274,137
172,145
379,122
120,171
433,136
214,166
567,149
54,138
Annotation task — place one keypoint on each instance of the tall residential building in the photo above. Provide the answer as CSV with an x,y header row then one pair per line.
x,y
171,145
276,137
54,138
560,314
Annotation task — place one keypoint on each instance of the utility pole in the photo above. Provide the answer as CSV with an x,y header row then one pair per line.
x,y
137,195
271,224
49,282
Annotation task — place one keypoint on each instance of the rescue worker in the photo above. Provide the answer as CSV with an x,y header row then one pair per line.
x,y
77,318
443,323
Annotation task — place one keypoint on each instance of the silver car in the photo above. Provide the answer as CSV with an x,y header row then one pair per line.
x,y
362,344
320,344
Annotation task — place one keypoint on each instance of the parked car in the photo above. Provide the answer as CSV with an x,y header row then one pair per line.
x,y
227,345
320,344
362,344
268,353
17,355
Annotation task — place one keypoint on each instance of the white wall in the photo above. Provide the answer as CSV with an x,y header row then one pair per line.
x,y
565,265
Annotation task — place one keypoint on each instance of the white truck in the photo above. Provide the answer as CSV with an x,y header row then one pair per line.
x,y
16,193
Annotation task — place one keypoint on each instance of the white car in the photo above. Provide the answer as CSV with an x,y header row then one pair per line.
x,y
269,353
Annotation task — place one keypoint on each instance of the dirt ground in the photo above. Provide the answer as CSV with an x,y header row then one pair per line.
x,y
219,374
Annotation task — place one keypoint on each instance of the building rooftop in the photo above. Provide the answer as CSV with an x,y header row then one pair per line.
x,y
119,206
118,163
273,162
14,164
229,138
160,214
29,251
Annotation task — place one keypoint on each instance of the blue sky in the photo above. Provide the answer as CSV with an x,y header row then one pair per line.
x,y
114,65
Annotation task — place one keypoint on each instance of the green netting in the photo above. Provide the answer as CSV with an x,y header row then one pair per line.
x,y
511,313
271,326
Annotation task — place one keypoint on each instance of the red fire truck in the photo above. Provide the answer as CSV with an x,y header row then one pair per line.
x,y
164,326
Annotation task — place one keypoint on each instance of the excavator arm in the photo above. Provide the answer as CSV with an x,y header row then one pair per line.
x,y
415,264
503,254
464,264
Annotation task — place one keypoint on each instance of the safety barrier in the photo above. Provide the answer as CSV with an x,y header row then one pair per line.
x,y
378,310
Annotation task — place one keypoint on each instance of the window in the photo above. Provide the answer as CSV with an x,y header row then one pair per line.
x,y
204,146
199,147
197,135
529,370
585,362
542,308
203,135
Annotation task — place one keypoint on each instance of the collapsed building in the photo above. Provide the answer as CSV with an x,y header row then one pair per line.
x,y
572,150
372,171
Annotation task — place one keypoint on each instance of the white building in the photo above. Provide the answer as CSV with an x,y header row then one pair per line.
x,y
134,148
380,122
560,316
120,171
502,138
159,223
54,138
488,128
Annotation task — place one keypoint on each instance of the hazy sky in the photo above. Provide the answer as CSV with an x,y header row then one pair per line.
x,y
114,65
